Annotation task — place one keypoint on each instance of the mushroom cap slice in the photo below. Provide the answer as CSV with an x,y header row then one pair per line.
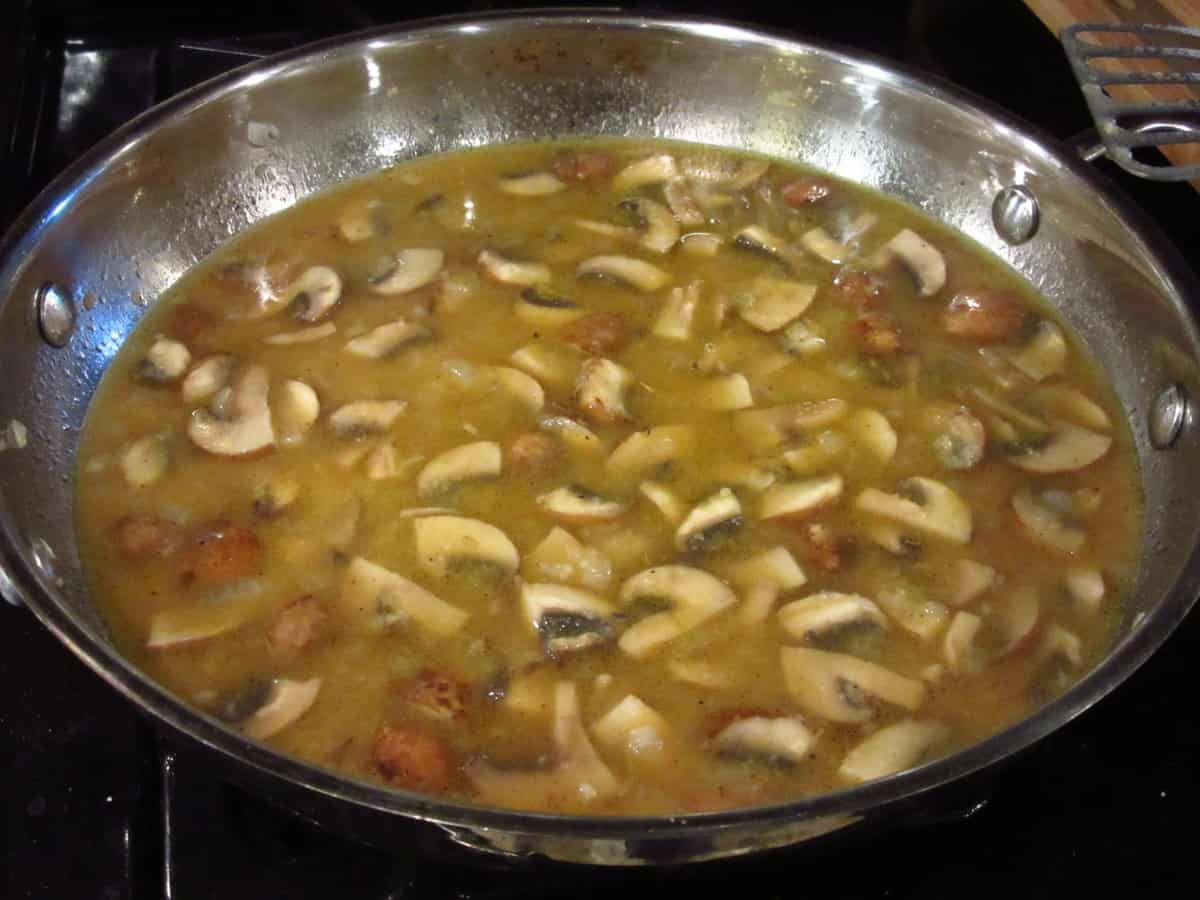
x,y
835,686
314,293
773,303
921,258
566,618
795,499
968,580
366,417
561,557
631,727
412,268
827,611
374,598
184,625
207,377
1072,405
664,500
165,361
1068,449
934,510
1051,528
508,271
524,388
874,432
910,610
302,336
714,516
764,429
545,310
645,450
758,239
1016,618
443,540
534,184
785,739
387,339
286,702
651,170
628,270
695,597
661,230
574,434
682,203
576,504
892,749
296,410
600,392
249,429
818,242
481,459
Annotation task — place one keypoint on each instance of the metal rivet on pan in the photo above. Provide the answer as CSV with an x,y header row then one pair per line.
x,y
1015,214
1168,414
55,314
45,560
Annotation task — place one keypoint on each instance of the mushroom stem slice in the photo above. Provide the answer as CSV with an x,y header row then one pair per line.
x,y
1068,449
600,392
184,625
874,432
166,360
469,462
1044,355
710,520
566,619
1071,405
366,417
674,322
628,270
785,739
296,410
775,567
825,612
248,430
664,500
818,242
577,504
507,271
1016,618
632,728
536,184
796,499
921,258
929,507
445,540
387,339
287,701
836,686
892,749
725,392
646,450
374,599
694,596
1054,529
772,303
412,268
314,293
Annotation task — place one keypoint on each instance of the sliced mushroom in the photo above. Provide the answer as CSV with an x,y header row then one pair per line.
x,y
387,339
545,310
145,461
1047,523
710,520
552,364
801,339
1071,405
183,625
248,429
694,596
535,184
958,646
508,271
912,611
702,674
775,567
628,270
837,686
575,435
701,244
632,728
874,432
1086,587
302,336
674,322
600,392
892,538
818,242
925,261
923,504
651,170
661,231
411,269
719,169
273,496
314,293
166,360
562,558
960,440
567,619
724,393
469,462
968,580
892,749
764,429
820,614
207,377
443,541
1068,449
577,504
683,205
296,410
521,387
646,450
357,224
1025,421
607,229
1015,619
374,599
737,473
796,499
365,417
285,703
383,464
1059,643
664,501
784,739
1045,353
759,240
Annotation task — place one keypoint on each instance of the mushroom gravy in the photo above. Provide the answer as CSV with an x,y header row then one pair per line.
x,y
611,477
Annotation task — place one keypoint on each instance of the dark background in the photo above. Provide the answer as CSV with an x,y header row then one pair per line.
x,y
1101,807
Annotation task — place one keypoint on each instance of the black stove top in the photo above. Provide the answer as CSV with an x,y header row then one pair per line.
x,y
97,805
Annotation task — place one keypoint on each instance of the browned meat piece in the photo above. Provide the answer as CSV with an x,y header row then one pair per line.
x,y
188,322
806,190
877,334
221,551
299,625
413,758
600,334
589,167
984,315
534,454
438,695
822,547
142,536
859,290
